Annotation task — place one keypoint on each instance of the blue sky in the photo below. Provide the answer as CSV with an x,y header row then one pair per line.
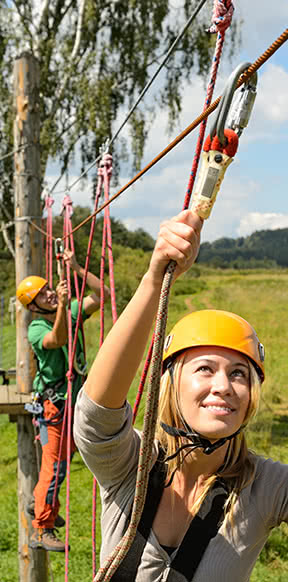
x,y
254,193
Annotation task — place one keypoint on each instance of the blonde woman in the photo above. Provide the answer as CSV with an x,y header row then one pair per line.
x,y
211,503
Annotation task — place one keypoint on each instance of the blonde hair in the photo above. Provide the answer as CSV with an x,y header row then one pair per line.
x,y
238,469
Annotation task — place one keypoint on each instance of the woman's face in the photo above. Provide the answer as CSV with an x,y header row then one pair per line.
x,y
214,391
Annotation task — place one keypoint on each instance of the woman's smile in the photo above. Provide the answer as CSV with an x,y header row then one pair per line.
x,y
214,390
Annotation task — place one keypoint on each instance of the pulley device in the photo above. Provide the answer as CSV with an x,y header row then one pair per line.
x,y
221,144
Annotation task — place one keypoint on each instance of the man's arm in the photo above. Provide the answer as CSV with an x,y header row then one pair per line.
x,y
92,302
58,336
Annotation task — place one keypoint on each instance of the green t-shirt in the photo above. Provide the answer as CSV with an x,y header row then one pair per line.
x,y
53,364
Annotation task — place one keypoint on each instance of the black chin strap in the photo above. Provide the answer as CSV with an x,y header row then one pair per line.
x,y
43,311
196,440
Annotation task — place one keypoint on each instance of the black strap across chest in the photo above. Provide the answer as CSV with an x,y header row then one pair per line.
x,y
195,541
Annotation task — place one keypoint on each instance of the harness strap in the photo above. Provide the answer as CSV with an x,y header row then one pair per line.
x,y
198,536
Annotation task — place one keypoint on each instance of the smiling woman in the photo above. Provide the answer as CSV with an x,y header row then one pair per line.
x,y
211,502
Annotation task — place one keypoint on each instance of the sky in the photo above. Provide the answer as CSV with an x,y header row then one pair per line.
x,y
254,193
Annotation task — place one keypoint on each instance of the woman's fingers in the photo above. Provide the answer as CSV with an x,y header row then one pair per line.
x,y
178,240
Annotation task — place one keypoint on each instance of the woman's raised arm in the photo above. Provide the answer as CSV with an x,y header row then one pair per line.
x,y
120,355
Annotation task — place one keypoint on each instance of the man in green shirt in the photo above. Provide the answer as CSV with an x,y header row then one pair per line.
x,y
48,335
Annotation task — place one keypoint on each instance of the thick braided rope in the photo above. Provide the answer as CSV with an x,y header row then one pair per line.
x,y
222,16
102,264
49,201
145,455
107,173
219,26
69,375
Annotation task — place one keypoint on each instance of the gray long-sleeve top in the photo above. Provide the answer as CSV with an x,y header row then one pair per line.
x,y
109,446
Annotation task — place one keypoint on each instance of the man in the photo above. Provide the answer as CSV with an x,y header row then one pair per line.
x,y
48,335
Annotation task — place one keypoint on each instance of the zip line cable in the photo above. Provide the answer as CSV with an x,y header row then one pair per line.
x,y
143,92
244,77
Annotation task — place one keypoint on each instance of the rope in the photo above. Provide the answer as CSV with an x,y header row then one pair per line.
x,y
243,79
107,172
49,201
156,347
221,17
145,454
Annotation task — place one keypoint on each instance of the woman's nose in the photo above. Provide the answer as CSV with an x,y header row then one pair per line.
x,y
221,383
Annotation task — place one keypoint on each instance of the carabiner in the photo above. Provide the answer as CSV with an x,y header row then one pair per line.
x,y
218,125
242,105
59,248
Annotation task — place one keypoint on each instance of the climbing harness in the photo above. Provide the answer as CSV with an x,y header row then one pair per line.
x,y
221,145
200,532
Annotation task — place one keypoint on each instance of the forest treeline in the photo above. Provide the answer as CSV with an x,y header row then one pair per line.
x,y
262,249
132,250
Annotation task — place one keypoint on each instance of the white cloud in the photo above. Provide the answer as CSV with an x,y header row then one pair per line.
x,y
256,221
272,95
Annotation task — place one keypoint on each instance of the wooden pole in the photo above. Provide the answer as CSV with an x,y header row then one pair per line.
x,y
32,563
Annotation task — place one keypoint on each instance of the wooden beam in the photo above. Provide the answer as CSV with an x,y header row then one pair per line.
x,y
32,563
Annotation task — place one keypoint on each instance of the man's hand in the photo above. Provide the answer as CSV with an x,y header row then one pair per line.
x,y
62,293
69,257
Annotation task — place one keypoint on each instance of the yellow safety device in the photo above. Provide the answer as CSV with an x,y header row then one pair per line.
x,y
29,288
211,327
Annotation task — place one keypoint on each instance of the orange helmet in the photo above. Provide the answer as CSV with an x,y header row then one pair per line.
x,y
29,288
211,327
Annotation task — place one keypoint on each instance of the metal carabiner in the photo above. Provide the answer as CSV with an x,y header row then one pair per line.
x,y
59,250
218,125
59,247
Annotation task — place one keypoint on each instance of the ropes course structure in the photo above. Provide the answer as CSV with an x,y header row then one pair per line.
x,y
225,145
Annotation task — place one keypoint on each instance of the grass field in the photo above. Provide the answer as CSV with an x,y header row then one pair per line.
x,y
260,297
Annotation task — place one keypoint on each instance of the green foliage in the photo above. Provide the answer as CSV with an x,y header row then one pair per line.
x,y
94,60
263,249
261,297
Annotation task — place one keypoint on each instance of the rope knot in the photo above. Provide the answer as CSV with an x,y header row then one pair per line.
x,y
67,204
222,16
49,201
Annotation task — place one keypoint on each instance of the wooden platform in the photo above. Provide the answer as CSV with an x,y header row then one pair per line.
x,y
11,401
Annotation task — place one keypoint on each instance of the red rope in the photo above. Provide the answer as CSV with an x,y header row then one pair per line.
x,y
104,177
107,172
49,201
222,16
102,266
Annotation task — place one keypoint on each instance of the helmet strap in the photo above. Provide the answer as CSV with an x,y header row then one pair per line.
x,y
41,310
196,439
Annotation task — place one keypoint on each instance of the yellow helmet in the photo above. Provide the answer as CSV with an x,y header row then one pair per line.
x,y
211,327
29,288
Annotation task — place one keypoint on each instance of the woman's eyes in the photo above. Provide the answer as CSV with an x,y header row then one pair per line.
x,y
238,372
204,369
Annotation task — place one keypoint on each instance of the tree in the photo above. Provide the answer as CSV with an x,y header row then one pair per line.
x,y
95,58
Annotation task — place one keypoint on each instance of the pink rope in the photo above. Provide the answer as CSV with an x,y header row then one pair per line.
x,y
104,176
222,16
49,201
219,5
107,172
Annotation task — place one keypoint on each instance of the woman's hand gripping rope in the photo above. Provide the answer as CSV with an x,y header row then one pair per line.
x,y
178,240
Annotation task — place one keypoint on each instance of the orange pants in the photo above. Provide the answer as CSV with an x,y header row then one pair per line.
x,y
45,513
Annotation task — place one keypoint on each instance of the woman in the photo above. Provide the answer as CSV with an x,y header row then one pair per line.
x,y
211,503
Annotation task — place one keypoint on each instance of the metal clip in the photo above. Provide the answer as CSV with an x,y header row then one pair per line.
x,y
242,105
59,250
218,125
216,161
